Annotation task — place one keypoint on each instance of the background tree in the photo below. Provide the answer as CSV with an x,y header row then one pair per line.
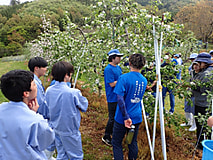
x,y
198,18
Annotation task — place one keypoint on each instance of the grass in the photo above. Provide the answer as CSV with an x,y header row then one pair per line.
x,y
6,66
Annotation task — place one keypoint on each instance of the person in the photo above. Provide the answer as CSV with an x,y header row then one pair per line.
x,y
210,121
192,57
179,63
38,66
24,134
65,104
129,89
169,64
200,92
211,53
111,75
190,108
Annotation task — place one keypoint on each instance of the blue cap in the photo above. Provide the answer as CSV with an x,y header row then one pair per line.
x,y
193,56
114,52
177,55
204,57
211,52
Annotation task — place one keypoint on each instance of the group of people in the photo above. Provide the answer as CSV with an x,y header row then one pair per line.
x,y
120,96
124,93
34,123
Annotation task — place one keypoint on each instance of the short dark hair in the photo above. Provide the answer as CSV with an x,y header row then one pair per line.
x,y
37,62
60,69
14,83
112,57
137,60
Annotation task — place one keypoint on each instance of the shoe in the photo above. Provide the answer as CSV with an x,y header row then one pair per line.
x,y
184,124
171,113
49,154
192,128
107,141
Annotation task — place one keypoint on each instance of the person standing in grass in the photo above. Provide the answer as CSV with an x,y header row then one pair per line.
x,y
65,104
23,134
111,75
129,89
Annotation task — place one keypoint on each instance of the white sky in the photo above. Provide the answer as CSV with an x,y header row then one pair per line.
x,y
7,2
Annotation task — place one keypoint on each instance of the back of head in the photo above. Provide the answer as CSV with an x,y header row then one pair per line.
x,y
14,83
137,61
36,62
60,69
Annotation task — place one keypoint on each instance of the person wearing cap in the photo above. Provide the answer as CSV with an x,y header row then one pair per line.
x,y
211,53
192,57
190,108
200,92
111,75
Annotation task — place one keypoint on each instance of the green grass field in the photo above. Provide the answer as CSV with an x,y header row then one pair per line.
x,y
6,66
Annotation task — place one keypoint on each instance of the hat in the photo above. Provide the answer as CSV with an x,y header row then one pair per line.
x,y
194,62
193,56
204,57
176,55
114,52
211,52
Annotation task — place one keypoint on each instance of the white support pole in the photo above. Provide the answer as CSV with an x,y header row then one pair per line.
x,y
160,91
76,77
147,131
157,93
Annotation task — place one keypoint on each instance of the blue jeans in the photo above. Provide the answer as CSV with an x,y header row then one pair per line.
x,y
119,131
190,108
109,127
171,97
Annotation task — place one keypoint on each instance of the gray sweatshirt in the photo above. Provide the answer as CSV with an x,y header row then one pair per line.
x,y
205,76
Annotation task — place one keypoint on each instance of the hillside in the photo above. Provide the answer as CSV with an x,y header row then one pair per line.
x,y
21,23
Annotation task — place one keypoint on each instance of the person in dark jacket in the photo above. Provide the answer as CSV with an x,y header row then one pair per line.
x,y
200,92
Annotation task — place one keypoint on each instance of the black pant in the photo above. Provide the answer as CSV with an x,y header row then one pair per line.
x,y
200,136
111,109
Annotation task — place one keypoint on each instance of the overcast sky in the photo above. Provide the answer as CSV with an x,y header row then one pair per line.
x,y
7,2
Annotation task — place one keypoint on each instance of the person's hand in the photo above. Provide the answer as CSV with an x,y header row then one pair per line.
x,y
210,121
128,123
33,105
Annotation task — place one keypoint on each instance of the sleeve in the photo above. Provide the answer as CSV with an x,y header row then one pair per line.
x,y
108,73
80,101
43,107
41,135
122,107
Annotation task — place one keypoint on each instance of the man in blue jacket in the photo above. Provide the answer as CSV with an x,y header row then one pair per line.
x,y
111,75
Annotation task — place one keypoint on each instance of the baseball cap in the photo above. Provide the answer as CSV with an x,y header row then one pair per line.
x,y
114,52
193,56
